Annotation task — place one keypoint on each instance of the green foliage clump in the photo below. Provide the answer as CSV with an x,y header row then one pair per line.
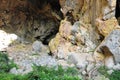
x,y
9,76
38,73
44,73
115,75
5,63
103,70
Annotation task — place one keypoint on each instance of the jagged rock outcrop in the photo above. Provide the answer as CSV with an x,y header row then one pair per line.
x,y
71,38
72,28
105,27
109,49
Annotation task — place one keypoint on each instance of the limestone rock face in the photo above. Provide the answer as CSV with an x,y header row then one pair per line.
x,y
105,27
71,38
6,39
71,5
38,47
59,47
71,28
109,48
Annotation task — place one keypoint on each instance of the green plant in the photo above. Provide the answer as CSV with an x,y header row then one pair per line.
x,y
38,73
115,75
9,76
103,70
44,73
5,63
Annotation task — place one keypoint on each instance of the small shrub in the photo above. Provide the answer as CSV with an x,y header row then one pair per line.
x,y
5,63
45,73
115,75
103,70
38,73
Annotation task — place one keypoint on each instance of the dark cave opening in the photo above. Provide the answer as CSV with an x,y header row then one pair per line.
x,y
117,11
40,3
31,19
47,15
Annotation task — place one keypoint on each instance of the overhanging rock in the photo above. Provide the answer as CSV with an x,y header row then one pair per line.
x,y
110,47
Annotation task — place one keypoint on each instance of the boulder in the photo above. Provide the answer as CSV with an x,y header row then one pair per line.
x,y
59,47
80,60
6,39
105,27
65,29
67,5
38,46
109,49
71,38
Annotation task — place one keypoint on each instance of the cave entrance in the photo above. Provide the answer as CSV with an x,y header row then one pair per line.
x,y
117,11
31,19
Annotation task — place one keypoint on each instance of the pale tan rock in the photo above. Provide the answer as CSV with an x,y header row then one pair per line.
x,y
75,5
64,63
59,46
65,29
112,3
105,27
63,50
116,67
108,50
99,57
78,59
54,43
90,58
109,61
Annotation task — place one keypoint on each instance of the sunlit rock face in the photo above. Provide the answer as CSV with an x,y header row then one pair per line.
x,y
6,39
108,50
71,9
105,27
31,19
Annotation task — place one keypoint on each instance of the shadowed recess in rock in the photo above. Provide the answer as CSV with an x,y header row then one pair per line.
x,y
117,11
31,19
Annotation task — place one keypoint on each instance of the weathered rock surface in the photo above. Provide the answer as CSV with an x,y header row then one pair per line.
x,y
6,39
24,56
70,38
109,48
105,27
71,41
71,7
39,47
80,60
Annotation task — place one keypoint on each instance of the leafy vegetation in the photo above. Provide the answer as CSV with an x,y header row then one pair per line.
x,y
5,63
103,70
115,75
44,73
38,73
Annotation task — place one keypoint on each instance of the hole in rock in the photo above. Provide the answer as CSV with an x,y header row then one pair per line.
x,y
117,11
31,19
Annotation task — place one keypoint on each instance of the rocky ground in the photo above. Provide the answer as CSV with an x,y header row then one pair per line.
x,y
61,32
88,61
